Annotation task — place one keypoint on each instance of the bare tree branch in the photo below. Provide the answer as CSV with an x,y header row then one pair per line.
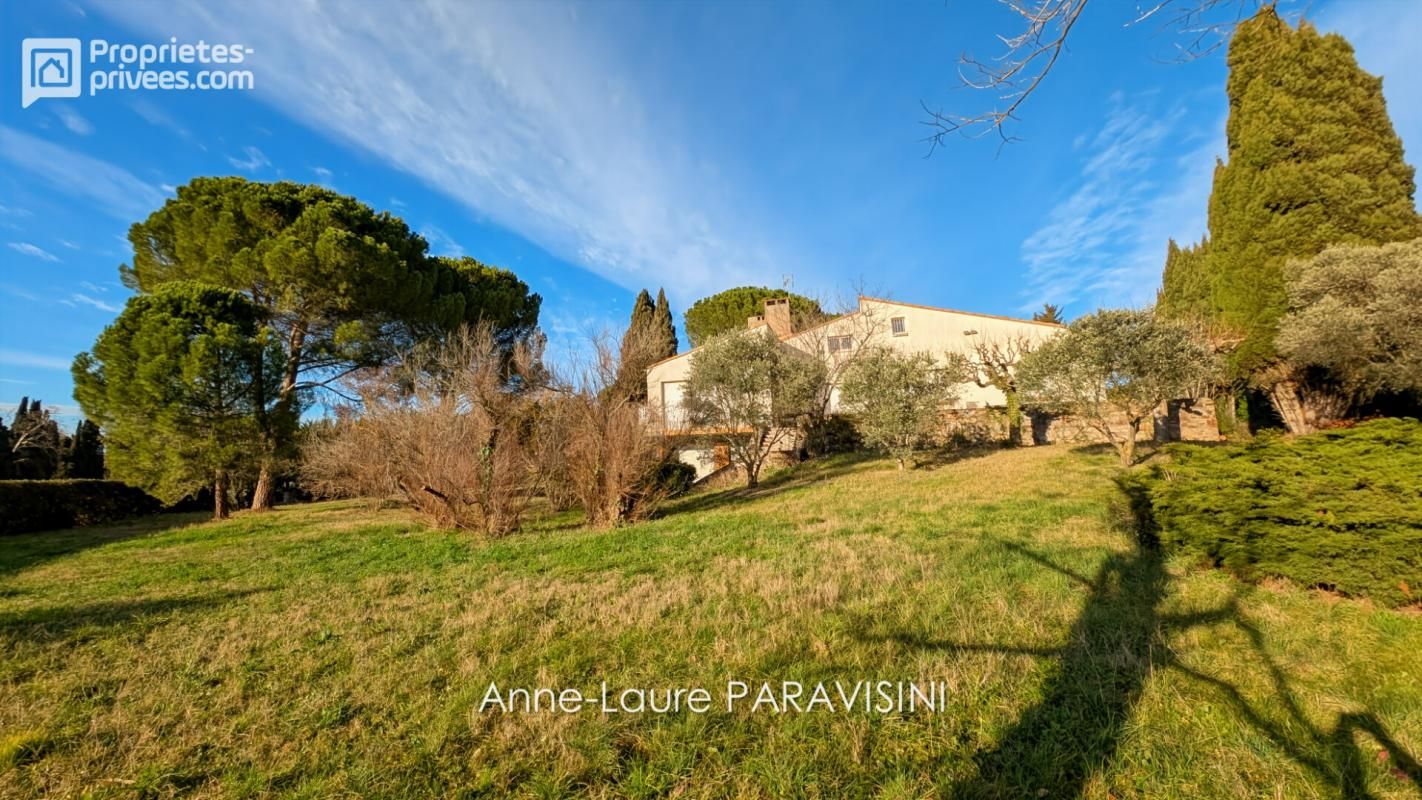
x,y
1029,55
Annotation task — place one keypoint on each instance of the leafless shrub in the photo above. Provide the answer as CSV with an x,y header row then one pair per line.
x,y
449,430
612,455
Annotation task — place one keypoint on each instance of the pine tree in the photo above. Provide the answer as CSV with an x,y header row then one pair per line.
x,y
1049,313
1313,161
664,327
183,382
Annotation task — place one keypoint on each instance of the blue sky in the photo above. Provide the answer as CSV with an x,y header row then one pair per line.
x,y
601,147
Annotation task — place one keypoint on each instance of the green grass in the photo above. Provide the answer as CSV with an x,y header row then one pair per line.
x,y
332,650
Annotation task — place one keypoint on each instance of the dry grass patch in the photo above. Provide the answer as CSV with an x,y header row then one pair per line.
x,y
335,650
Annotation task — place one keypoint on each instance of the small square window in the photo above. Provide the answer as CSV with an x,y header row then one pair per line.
x,y
899,326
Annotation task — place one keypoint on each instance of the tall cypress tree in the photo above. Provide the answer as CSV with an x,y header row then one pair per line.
x,y
1185,286
664,328
1313,161
84,454
638,351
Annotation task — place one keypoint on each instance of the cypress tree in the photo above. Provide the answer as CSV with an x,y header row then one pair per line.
x,y
638,351
84,455
34,442
1185,287
1313,161
664,328
6,467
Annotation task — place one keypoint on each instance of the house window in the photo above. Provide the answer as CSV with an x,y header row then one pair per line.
x,y
899,326
839,344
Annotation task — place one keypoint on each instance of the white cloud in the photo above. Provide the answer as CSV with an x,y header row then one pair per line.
x,y
1105,243
93,287
441,243
519,111
22,358
253,160
68,244
11,211
111,189
73,120
91,301
33,251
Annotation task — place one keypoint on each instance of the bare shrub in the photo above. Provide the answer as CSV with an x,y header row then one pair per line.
x,y
449,430
613,456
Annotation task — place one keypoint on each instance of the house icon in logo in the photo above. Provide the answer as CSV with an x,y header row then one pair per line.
x,y
51,68
56,67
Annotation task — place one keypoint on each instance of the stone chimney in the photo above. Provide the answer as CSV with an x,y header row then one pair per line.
x,y
777,316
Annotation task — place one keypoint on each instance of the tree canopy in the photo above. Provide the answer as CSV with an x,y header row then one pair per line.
x,y
341,285
1355,323
1113,368
746,390
727,311
182,384
897,398
1313,161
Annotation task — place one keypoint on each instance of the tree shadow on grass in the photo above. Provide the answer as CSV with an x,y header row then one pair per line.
x,y
798,476
1120,637
19,552
52,623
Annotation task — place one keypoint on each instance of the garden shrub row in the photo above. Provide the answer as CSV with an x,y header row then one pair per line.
x,y
1339,509
48,505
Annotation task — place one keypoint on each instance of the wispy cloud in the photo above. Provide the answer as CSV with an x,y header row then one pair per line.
x,y
546,131
1104,244
154,115
16,291
441,244
251,161
109,188
60,410
11,211
93,287
22,358
84,299
33,251
73,120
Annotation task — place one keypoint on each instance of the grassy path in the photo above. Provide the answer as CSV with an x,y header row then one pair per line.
x,y
332,650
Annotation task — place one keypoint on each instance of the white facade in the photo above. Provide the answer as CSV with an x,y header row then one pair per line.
x,y
885,323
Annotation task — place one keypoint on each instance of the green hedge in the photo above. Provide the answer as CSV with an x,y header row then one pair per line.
x,y
1339,509
47,505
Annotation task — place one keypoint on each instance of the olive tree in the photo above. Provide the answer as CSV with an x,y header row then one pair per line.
x,y
1354,326
897,399
746,390
1113,369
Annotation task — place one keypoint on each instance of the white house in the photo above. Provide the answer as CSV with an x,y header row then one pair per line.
x,y
877,322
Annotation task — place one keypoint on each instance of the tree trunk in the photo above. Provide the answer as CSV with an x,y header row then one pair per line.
x,y
1128,447
1226,420
1285,397
1014,418
262,493
901,463
219,496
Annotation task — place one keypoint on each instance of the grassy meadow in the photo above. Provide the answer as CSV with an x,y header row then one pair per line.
x,y
333,650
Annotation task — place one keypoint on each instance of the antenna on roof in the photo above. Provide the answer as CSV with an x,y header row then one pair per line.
x,y
787,281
